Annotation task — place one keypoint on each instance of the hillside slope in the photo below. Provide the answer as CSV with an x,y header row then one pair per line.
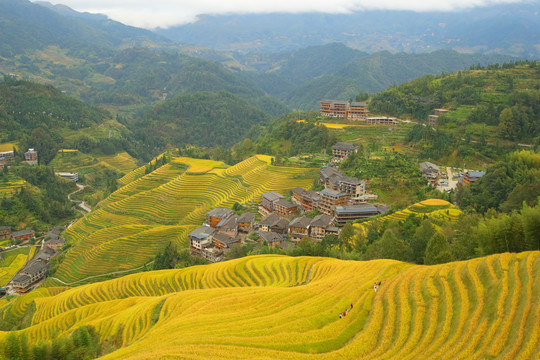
x,y
277,307
135,222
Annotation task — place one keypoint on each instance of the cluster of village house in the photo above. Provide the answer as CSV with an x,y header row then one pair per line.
x,y
432,173
342,199
8,157
35,269
31,158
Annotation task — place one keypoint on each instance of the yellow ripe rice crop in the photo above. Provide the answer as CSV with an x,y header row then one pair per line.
x,y
163,206
122,162
279,307
7,147
435,202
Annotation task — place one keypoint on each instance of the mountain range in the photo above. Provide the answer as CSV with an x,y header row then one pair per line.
x,y
506,29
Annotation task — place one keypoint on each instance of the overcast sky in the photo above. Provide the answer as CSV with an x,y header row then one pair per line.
x,y
166,13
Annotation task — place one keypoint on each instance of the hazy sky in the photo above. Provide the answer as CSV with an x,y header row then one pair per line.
x,y
166,13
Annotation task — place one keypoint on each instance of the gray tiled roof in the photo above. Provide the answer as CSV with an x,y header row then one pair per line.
x,y
270,236
224,238
219,213
322,220
344,146
246,217
21,233
269,219
272,196
202,233
285,203
301,222
356,209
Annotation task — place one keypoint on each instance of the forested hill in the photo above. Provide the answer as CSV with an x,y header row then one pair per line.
x,y
202,118
39,116
107,63
29,26
494,102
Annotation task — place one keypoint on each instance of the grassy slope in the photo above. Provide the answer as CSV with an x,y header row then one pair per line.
x,y
128,228
278,307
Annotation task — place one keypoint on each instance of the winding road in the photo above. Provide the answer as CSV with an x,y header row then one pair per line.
x,y
80,203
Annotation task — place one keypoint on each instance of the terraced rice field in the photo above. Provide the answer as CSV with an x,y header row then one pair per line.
x,y
123,162
277,307
127,229
436,208
7,146
12,261
11,187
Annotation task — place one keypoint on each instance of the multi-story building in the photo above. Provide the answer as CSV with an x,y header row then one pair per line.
x,y
2,162
285,208
381,120
223,241
268,199
23,234
215,216
344,109
9,156
358,111
5,232
353,187
245,222
298,228
322,225
334,108
307,199
432,120
431,172
229,225
200,239
331,198
344,213
471,176
342,150
31,157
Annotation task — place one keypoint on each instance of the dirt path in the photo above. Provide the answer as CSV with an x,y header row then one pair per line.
x,y
79,203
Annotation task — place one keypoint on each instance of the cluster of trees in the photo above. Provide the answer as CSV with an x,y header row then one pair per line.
x,y
505,186
286,136
428,241
151,166
172,258
203,119
83,343
46,201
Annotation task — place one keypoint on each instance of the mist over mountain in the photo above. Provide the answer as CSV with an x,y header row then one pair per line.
x,y
505,29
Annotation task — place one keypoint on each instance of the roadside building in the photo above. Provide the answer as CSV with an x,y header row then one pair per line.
x,y
9,156
298,228
440,111
23,234
285,208
31,157
2,162
381,120
431,172
432,120
307,199
472,176
215,216
200,239
212,254
73,176
344,213
342,150
331,198
29,275
5,232
246,222
56,244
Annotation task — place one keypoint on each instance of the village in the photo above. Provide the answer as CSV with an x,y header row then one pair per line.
x,y
283,222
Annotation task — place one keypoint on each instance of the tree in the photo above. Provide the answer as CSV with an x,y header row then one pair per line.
x,y
420,240
438,250
346,235
508,124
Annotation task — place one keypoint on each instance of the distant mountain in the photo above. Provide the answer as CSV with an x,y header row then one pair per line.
x,y
303,77
29,26
504,29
